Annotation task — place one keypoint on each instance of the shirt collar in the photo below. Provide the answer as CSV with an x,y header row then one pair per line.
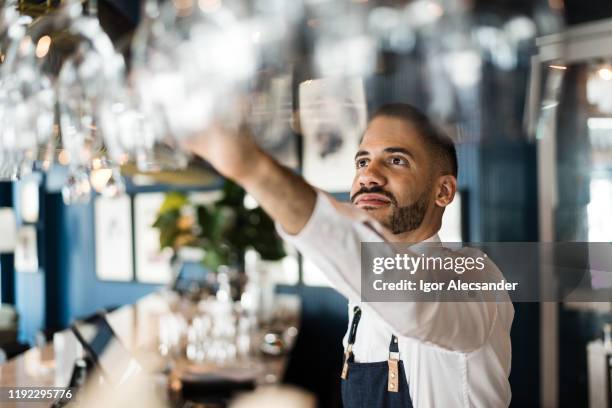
x,y
422,245
434,238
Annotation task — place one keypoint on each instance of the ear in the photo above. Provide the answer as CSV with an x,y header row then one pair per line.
x,y
446,189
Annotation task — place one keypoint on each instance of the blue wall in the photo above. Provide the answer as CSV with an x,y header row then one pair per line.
x,y
30,304
72,288
66,286
80,291
29,287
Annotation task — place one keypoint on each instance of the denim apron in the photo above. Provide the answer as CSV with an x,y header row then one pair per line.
x,y
381,384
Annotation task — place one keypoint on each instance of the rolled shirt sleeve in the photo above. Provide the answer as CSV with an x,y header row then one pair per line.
x,y
332,238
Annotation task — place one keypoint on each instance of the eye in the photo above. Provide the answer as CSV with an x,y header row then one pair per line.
x,y
361,163
398,161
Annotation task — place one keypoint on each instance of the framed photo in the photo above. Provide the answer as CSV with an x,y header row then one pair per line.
x,y
271,120
333,116
26,250
8,226
152,263
29,200
113,238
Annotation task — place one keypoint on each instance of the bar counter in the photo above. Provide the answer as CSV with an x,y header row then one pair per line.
x,y
137,327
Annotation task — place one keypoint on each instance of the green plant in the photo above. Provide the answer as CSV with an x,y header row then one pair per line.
x,y
224,229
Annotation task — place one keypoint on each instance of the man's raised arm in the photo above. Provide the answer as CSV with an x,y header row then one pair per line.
x,y
284,195
290,201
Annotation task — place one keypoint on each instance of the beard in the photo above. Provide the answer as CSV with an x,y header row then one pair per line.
x,y
409,218
401,219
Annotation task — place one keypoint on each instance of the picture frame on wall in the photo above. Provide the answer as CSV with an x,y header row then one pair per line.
x,y
8,226
153,265
29,201
113,238
271,120
26,250
333,116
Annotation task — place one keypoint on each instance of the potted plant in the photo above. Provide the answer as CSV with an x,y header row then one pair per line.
x,y
224,229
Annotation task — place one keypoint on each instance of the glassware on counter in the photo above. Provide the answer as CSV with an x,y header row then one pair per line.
x,y
198,338
171,330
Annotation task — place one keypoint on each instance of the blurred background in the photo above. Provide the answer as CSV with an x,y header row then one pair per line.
x,y
101,207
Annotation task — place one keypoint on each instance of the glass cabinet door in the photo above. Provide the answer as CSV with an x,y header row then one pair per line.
x,y
573,128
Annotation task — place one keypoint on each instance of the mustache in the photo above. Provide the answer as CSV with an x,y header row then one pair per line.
x,y
374,190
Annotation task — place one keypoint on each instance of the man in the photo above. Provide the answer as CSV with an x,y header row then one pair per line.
x,y
422,354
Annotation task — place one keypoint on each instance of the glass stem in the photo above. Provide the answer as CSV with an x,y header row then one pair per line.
x,y
92,8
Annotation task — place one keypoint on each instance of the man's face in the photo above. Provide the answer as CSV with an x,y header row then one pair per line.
x,y
394,175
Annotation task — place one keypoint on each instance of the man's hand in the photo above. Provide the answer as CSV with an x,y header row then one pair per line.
x,y
232,153
285,196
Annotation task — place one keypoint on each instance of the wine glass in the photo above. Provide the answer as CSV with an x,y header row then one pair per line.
x,y
87,73
192,62
26,97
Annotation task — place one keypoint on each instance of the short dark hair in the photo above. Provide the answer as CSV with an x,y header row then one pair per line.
x,y
438,142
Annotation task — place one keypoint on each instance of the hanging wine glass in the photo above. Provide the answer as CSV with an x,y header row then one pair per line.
x,y
198,62
88,74
270,116
141,128
191,61
105,178
343,47
26,98
10,157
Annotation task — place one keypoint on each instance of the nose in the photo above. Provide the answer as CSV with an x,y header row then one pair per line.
x,y
372,176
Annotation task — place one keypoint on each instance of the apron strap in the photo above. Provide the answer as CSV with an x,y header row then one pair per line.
x,y
354,325
393,347
348,354
393,362
393,377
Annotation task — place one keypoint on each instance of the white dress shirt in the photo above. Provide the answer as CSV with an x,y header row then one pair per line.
x,y
455,354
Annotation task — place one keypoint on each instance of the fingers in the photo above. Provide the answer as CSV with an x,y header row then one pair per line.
x,y
194,144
